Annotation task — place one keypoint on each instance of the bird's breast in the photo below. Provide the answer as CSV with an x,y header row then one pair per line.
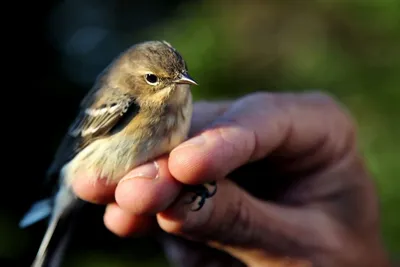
x,y
177,120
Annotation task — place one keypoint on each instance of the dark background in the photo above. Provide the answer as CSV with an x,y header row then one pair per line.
x,y
53,50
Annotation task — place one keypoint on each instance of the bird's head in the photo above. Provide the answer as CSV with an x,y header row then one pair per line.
x,y
152,66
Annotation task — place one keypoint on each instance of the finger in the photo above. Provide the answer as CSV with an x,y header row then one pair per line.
x,y
94,191
125,224
147,189
261,125
247,228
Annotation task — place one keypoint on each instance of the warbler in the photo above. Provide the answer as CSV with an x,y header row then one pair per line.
x,y
139,108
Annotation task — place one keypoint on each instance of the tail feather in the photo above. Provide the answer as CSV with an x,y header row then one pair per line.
x,y
41,256
54,243
39,211
52,248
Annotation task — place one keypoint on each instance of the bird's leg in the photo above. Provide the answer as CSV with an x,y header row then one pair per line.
x,y
201,193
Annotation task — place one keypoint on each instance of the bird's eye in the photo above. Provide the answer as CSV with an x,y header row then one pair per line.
x,y
151,79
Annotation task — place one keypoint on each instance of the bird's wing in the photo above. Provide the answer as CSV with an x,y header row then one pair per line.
x,y
99,116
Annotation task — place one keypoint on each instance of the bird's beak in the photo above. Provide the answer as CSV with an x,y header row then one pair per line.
x,y
185,79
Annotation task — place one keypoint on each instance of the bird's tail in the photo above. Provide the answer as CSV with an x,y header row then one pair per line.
x,y
62,212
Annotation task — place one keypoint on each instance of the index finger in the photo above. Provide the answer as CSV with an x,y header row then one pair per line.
x,y
286,125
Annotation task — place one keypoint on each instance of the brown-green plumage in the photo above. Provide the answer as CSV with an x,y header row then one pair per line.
x,y
123,89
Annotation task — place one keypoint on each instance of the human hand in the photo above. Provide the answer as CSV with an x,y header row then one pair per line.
x,y
292,188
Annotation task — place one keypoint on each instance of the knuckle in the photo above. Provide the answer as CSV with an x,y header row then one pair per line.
x,y
263,96
339,118
331,105
321,97
257,98
235,144
229,139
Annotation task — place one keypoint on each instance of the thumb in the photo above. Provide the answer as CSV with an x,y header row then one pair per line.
x,y
253,231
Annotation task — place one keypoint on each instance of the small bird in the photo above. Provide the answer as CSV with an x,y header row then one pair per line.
x,y
139,108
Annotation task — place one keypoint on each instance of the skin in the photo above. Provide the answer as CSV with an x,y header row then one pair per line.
x,y
317,206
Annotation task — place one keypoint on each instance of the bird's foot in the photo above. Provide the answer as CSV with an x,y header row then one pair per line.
x,y
200,194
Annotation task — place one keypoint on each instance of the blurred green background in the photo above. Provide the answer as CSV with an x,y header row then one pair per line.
x,y
347,48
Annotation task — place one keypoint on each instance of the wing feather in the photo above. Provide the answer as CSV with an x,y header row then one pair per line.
x,y
99,116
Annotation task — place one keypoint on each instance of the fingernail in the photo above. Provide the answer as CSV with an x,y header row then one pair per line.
x,y
195,141
148,170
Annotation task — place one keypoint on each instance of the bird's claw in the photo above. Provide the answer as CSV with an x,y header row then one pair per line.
x,y
201,193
